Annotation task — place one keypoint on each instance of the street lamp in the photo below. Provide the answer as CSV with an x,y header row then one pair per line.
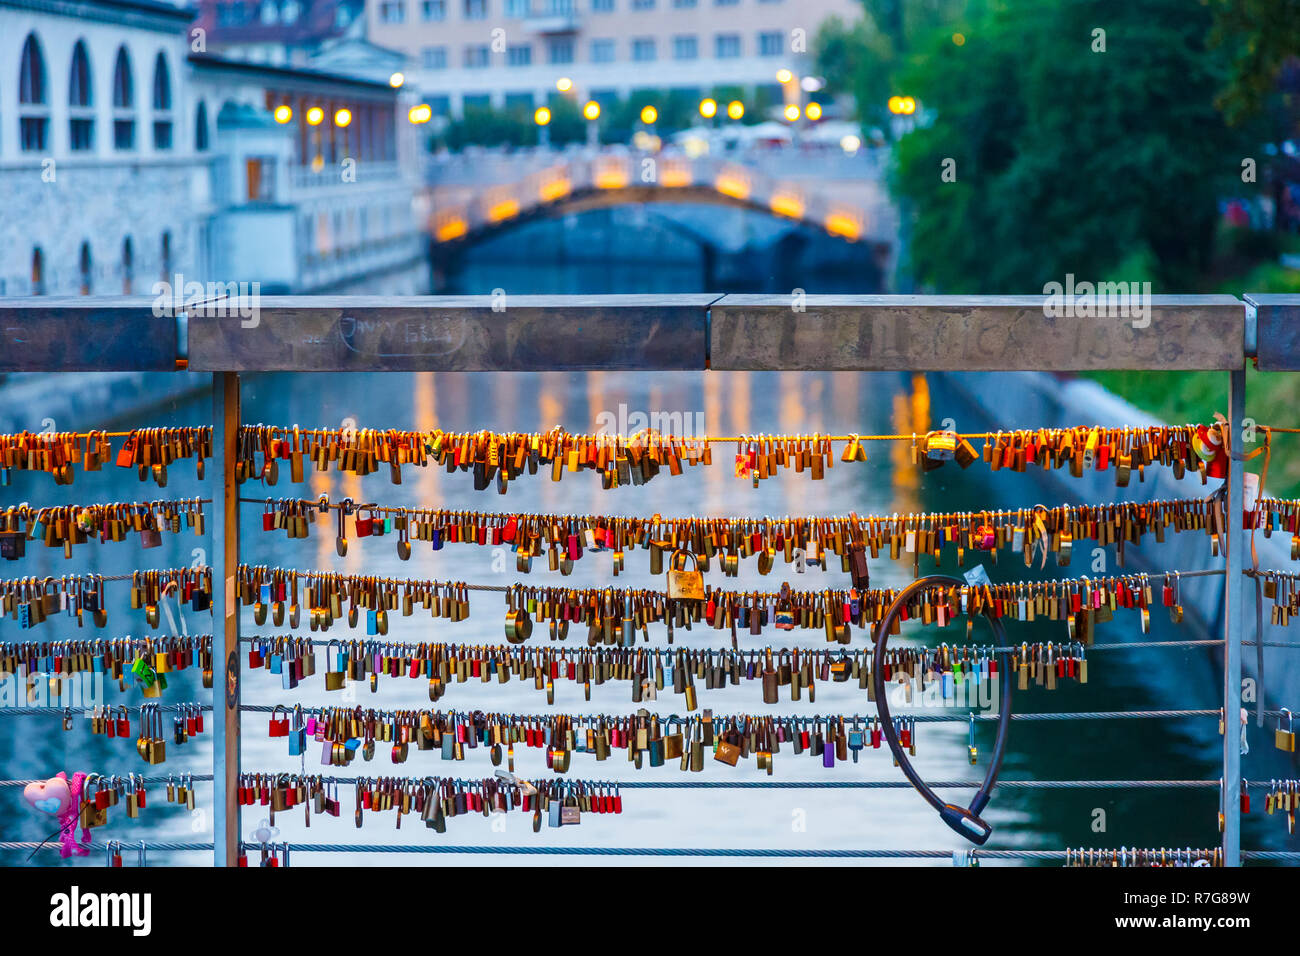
x,y
542,117
708,108
342,117
648,115
564,84
420,113
813,111
902,105
315,115
591,112
283,114
735,110
792,113
396,80
784,76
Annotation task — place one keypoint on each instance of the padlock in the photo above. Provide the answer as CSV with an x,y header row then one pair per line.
x,y
1285,739
684,585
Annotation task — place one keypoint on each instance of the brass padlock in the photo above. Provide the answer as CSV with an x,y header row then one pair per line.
x,y
1285,739
684,585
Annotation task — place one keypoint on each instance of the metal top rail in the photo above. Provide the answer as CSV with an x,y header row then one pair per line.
x,y
239,331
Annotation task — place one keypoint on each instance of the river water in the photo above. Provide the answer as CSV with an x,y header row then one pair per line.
x,y
726,403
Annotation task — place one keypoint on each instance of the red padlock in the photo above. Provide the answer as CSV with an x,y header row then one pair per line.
x,y
279,727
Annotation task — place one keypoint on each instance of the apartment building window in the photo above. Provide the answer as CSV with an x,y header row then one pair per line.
x,y
81,117
643,4
560,50
476,101
771,43
519,102
34,119
517,8
123,102
162,104
259,178
602,6
477,57
392,11
521,55
726,46
85,268
128,265
685,48
431,11
643,49
38,271
475,9
434,57
682,4
557,8
602,51
201,128
725,3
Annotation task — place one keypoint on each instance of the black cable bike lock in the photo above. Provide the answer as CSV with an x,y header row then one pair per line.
x,y
966,822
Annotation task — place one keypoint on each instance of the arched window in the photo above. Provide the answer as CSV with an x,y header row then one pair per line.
x,y
201,128
33,97
81,117
38,271
123,102
167,257
128,265
162,104
86,268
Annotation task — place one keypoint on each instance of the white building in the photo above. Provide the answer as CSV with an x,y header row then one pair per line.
x,y
511,52
127,155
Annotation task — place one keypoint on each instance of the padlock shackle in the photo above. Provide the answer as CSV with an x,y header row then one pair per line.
x,y
965,822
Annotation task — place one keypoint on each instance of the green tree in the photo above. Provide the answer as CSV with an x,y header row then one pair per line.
x,y
1073,151
1259,37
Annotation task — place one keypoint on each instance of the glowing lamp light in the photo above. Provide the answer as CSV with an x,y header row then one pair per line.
x,y
591,110
959,39
420,113
342,117
784,76
792,113
541,116
850,144
396,80
786,205
315,115
909,106
708,108
649,114
564,84
735,109
283,114
813,111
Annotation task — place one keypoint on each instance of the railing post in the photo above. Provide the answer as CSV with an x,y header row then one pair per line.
x,y
1232,625
225,620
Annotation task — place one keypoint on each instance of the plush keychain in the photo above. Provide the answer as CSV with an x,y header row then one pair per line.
x,y
1209,446
61,798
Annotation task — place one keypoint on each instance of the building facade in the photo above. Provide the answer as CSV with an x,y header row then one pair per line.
x,y
128,156
511,52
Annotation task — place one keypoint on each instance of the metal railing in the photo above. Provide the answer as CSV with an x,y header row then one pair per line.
x,y
646,332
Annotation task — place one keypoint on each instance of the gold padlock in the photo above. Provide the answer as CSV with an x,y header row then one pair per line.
x,y
684,585
1285,739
